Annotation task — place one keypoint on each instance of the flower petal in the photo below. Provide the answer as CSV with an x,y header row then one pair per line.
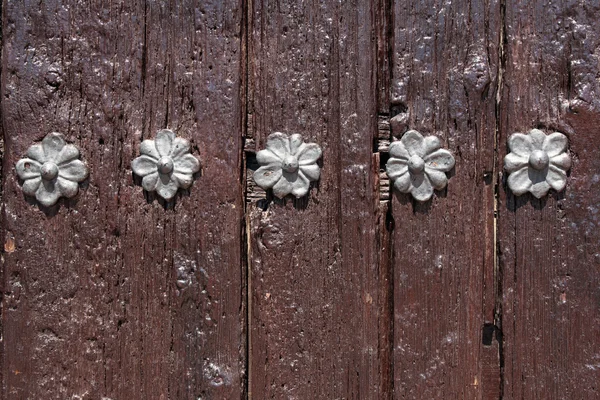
x,y
430,144
149,149
30,186
166,187
421,188
186,164
519,181
413,142
539,189
402,183
164,141
36,152
311,172
441,159
296,143
520,144
395,167
180,147
438,179
27,168
514,162
53,143
68,153
300,186
73,170
149,181
47,193
556,178
562,161
67,188
309,154
555,143
183,180
398,150
266,157
279,144
537,138
537,176
282,188
266,177
143,165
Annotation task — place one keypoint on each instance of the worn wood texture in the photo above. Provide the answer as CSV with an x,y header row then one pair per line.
x,y
115,294
549,248
349,293
444,78
314,266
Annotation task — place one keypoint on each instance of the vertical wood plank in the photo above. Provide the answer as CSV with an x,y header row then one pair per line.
x,y
550,247
444,79
117,294
314,276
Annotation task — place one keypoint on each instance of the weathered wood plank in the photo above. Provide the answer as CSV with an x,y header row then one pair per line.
x,y
314,276
550,248
114,295
444,77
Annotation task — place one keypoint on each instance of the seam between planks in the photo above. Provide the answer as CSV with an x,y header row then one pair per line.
x,y
245,264
498,268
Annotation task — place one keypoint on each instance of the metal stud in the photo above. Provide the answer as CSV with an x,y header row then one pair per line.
x,y
288,165
418,165
51,170
537,162
165,164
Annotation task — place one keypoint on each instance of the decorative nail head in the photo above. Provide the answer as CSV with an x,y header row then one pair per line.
x,y
418,165
288,165
51,170
537,162
165,164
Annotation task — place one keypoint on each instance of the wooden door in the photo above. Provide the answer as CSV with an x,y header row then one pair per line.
x,y
355,291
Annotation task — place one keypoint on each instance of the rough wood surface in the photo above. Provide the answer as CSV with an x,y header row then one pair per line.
x,y
117,295
549,248
314,262
350,293
444,78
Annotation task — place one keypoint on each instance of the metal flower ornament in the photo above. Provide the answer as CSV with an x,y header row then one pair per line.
x,y
51,170
288,165
165,164
537,162
418,165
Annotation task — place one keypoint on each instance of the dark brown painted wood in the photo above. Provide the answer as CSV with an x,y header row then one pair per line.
x,y
314,262
549,248
349,293
444,77
117,295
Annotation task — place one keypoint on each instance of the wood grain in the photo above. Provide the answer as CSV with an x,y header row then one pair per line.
x,y
314,262
348,293
444,77
549,248
117,294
